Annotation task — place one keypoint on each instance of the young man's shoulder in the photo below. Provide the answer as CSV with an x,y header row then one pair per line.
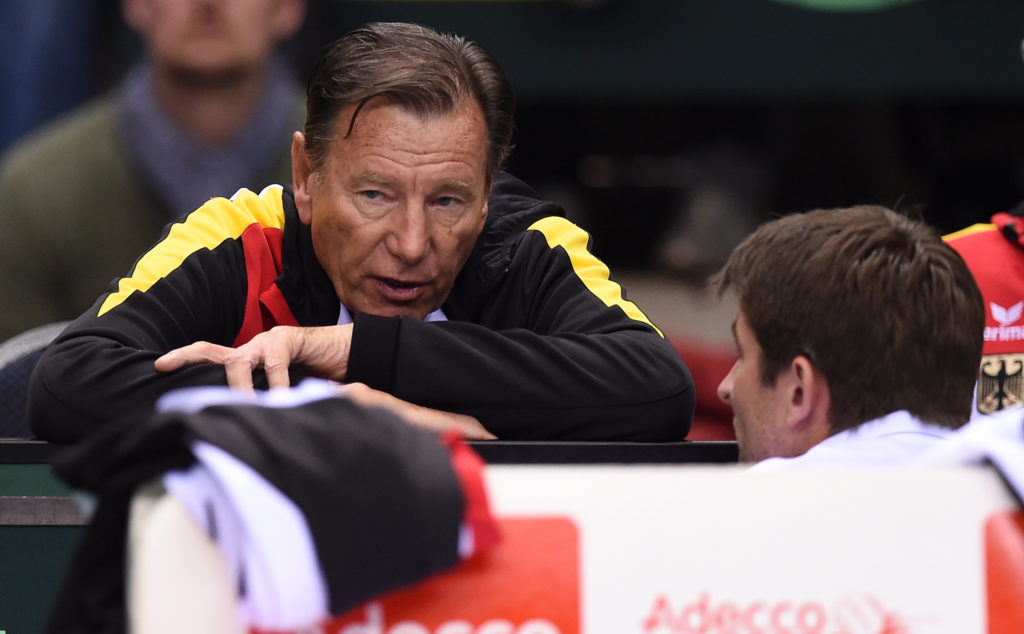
x,y
892,441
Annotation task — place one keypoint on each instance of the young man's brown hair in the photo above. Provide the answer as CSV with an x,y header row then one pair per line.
x,y
876,301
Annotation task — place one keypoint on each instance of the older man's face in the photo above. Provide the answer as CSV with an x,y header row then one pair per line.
x,y
398,205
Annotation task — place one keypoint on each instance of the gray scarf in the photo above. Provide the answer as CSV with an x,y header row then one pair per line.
x,y
184,173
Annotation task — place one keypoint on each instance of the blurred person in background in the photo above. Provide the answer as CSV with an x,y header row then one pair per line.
x,y
994,251
209,109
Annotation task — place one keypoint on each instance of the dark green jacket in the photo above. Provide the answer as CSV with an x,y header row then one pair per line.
x,y
74,215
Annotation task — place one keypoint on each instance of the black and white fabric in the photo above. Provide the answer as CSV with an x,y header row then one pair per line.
x,y
367,502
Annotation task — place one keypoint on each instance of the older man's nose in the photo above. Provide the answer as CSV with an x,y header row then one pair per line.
x,y
409,238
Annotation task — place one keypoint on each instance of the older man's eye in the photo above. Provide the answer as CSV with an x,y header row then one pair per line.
x,y
372,194
447,201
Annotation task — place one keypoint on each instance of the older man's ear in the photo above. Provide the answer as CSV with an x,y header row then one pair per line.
x,y
302,172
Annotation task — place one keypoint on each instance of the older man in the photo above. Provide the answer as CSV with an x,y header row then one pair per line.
x,y
400,259
859,335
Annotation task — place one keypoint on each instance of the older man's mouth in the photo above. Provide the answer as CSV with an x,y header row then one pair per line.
x,y
400,290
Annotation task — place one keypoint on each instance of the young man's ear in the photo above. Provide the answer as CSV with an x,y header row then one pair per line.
x,y
808,402
302,175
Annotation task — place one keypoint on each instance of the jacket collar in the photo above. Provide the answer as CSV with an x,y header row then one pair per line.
x,y
303,282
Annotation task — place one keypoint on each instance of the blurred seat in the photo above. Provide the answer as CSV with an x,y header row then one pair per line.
x,y
712,420
18,356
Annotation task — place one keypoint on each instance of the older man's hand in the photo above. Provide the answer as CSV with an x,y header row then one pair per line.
x,y
321,351
417,415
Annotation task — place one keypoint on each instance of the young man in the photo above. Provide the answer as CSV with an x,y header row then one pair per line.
x,y
401,259
859,335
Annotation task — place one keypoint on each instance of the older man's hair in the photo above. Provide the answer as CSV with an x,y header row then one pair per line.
x,y
879,304
413,67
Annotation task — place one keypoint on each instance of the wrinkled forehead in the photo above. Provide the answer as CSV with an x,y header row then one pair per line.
x,y
380,125
424,109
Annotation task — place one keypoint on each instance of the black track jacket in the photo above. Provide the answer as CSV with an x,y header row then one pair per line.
x,y
540,343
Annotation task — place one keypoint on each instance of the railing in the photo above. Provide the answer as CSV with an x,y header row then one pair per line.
x,y
31,495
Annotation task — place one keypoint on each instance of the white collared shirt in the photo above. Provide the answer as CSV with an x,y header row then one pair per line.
x,y
894,440
344,317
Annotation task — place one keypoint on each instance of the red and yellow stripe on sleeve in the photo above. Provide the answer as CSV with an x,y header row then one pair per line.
x,y
218,220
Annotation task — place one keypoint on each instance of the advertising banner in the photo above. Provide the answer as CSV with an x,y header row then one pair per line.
x,y
716,550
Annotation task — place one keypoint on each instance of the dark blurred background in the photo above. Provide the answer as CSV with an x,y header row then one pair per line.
x,y
670,127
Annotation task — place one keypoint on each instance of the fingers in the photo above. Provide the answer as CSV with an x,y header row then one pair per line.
x,y
276,370
364,394
199,352
273,351
240,374
323,351
270,353
472,429
418,415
